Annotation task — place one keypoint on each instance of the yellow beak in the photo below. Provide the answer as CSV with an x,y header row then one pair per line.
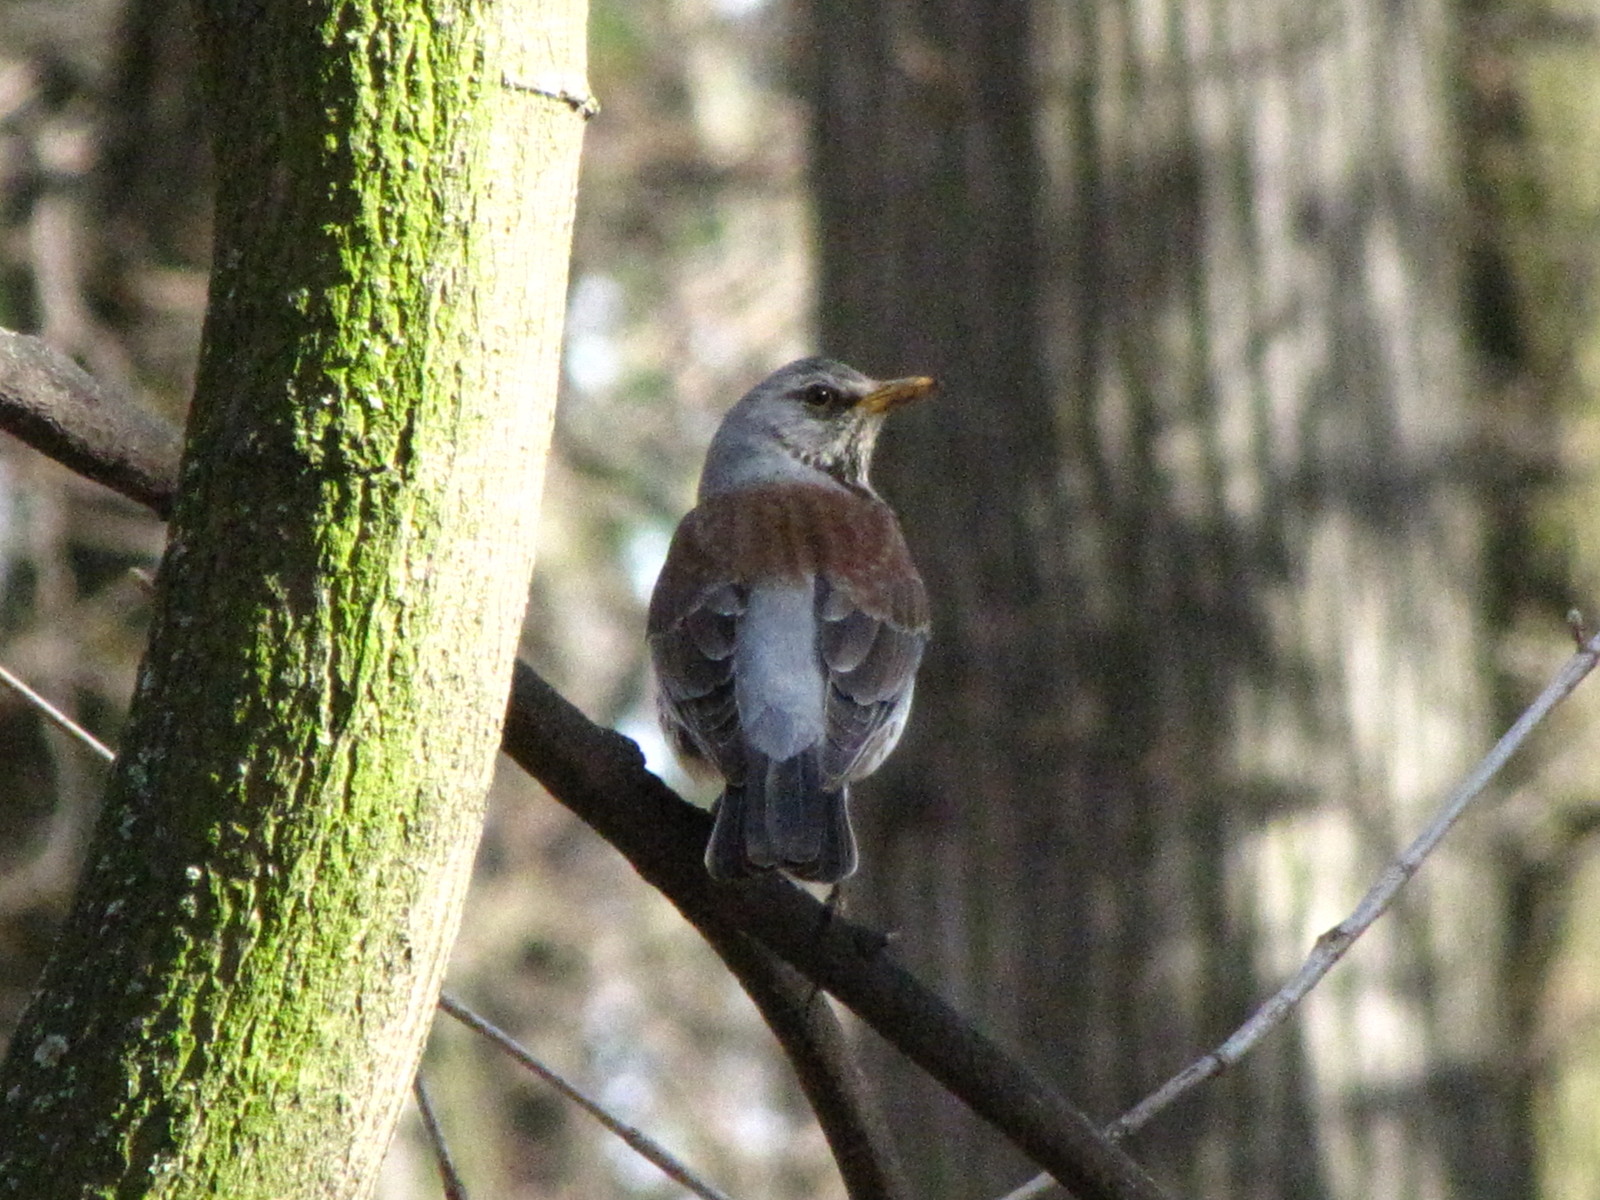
x,y
898,392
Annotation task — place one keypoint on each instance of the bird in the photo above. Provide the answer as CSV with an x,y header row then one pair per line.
x,y
788,621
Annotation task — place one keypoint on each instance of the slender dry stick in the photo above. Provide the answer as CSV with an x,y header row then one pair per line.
x,y
449,1177
640,1142
824,1061
1037,1186
1331,946
55,716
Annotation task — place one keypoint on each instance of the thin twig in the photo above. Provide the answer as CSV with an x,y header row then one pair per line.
x,y
580,102
641,1142
824,1060
1331,946
55,716
1037,1186
449,1177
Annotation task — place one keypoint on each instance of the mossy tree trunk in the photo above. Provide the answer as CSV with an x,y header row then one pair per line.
x,y
238,1001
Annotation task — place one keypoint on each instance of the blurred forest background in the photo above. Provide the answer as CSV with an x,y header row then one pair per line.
x,y
1263,477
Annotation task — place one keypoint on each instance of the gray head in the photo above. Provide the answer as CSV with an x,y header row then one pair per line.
x,y
814,415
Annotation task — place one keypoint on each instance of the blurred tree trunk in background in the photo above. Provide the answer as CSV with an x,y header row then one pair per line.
x,y
1197,511
1532,91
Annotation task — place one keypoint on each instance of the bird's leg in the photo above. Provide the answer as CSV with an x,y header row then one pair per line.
x,y
869,942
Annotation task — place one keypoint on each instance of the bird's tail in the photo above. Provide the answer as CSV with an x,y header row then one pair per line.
x,y
783,816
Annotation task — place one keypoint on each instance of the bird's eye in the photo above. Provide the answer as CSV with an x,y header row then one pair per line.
x,y
822,396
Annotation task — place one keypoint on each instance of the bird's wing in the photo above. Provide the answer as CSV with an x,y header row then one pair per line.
x,y
693,626
870,608
871,645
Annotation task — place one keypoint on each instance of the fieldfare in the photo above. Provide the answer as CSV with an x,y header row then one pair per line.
x,y
789,620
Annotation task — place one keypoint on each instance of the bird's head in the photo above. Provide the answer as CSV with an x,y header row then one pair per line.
x,y
812,415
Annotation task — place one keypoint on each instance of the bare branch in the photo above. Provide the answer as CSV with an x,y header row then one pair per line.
x,y
1037,1186
39,880
449,1177
822,1058
1331,946
55,716
49,402
576,98
644,1145
601,777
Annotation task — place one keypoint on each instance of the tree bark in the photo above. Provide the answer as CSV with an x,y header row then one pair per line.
x,y
238,1001
1196,514
1532,115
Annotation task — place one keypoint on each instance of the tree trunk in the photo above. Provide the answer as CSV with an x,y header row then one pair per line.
x,y
1195,515
1533,152
237,1004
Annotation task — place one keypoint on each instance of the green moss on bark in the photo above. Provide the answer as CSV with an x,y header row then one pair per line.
x,y
238,1000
